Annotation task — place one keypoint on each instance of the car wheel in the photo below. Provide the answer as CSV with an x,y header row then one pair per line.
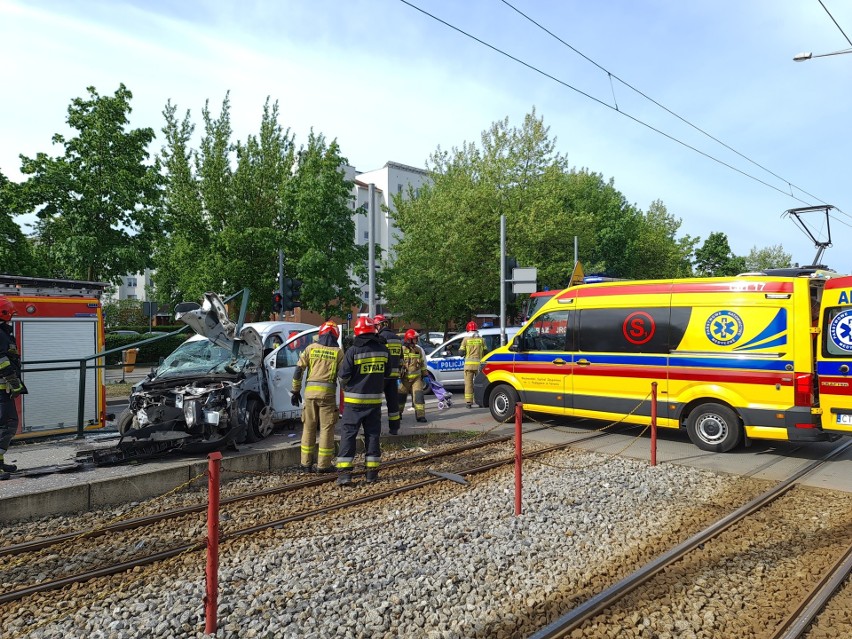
x,y
502,402
124,422
714,428
258,421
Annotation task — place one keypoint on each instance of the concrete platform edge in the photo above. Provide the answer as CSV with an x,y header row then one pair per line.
x,y
138,486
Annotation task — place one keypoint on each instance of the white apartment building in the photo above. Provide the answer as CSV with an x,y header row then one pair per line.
x,y
132,287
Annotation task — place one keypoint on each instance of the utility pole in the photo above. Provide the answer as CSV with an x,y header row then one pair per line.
x,y
371,254
502,279
281,277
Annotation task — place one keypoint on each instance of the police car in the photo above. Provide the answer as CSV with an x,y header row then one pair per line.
x,y
446,365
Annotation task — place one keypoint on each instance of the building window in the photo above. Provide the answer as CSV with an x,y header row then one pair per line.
x,y
416,193
366,235
131,297
131,281
399,188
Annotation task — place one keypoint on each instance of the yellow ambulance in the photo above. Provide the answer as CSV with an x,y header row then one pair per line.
x,y
760,356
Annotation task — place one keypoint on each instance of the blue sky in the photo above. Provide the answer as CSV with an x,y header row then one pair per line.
x,y
393,84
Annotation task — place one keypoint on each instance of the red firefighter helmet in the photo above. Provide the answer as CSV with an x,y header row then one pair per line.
x,y
7,309
471,326
411,335
380,320
329,327
364,325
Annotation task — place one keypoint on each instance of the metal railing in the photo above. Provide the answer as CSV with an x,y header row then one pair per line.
x,y
83,366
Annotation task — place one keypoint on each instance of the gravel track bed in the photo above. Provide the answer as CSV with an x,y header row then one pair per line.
x,y
446,562
835,620
743,583
79,555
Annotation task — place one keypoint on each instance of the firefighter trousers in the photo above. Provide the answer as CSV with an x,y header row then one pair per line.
x,y
353,418
319,414
415,387
8,421
392,400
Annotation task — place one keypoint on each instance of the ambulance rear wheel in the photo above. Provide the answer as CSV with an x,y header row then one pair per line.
x,y
502,402
714,427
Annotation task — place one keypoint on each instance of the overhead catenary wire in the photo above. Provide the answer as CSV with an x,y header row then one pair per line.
x,y
835,23
620,111
662,106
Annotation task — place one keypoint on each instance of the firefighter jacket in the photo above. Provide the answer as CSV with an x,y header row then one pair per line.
x,y
473,349
363,372
413,362
394,344
10,361
322,362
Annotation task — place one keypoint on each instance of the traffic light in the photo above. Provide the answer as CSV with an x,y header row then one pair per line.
x,y
277,302
296,299
511,264
290,295
287,303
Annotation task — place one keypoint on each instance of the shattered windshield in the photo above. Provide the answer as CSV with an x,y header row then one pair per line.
x,y
199,357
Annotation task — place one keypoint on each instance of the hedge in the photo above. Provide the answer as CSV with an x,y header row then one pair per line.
x,y
143,328
148,353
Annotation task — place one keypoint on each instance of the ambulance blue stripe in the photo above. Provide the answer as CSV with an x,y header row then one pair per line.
x,y
833,368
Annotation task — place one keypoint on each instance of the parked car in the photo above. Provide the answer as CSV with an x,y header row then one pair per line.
x,y
446,365
217,387
125,333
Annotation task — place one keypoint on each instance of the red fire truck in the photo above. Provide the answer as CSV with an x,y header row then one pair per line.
x,y
59,324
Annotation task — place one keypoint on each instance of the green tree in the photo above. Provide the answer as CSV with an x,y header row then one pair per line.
x,y
662,253
451,231
16,253
769,257
321,247
225,225
97,203
714,258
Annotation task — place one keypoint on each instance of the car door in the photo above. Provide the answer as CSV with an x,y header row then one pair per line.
x,y
280,365
446,364
834,356
543,362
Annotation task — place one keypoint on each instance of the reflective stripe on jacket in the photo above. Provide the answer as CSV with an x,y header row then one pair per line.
x,y
322,364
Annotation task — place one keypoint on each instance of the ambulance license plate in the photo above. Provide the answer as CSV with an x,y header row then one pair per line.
x,y
844,419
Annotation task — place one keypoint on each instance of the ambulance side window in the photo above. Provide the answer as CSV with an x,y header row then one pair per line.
x,y
624,330
837,332
550,332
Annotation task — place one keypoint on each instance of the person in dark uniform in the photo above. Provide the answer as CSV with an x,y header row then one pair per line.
x,y
10,384
362,377
394,345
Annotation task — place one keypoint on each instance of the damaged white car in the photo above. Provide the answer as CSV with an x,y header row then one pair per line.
x,y
217,387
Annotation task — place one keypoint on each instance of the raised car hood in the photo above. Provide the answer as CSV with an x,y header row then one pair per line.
x,y
211,321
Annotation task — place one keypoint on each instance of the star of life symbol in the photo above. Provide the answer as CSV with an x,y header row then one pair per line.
x,y
724,328
840,330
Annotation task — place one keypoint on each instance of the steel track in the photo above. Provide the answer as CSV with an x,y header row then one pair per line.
x,y
104,571
564,625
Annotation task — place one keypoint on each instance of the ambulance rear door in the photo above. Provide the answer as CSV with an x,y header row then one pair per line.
x,y
834,356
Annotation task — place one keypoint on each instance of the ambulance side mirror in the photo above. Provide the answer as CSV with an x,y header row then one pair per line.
x,y
514,346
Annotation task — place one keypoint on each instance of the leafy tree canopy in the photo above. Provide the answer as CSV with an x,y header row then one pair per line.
x,y
96,203
715,258
769,257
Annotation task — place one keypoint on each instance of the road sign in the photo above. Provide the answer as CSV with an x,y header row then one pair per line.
x,y
523,280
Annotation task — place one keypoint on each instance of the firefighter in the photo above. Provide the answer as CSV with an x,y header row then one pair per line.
x,y
321,360
10,384
362,376
473,349
394,345
413,374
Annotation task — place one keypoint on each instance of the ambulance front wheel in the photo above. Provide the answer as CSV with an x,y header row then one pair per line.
x,y
502,402
714,427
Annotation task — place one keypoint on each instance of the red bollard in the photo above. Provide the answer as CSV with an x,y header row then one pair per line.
x,y
519,455
211,596
653,423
